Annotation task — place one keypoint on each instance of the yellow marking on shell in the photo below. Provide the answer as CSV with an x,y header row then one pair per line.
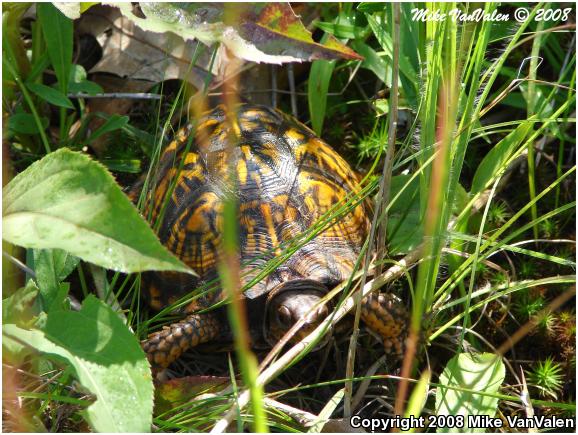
x,y
270,226
281,200
191,158
242,171
154,296
294,136
172,146
247,125
253,113
271,151
208,122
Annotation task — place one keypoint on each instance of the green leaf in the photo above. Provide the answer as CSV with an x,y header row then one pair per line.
x,y
68,201
373,62
494,161
18,308
107,359
379,28
115,122
57,30
50,95
326,412
131,166
24,123
259,32
476,373
52,266
79,84
317,87
418,397
342,30
85,87
404,224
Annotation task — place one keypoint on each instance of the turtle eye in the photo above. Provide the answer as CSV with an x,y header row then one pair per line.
x,y
284,316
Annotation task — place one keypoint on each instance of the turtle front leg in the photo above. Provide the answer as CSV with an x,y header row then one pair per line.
x,y
167,345
386,316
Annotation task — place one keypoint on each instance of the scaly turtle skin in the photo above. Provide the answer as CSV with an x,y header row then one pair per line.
x,y
287,179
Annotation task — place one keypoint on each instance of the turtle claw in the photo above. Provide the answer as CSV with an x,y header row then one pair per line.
x,y
165,346
386,316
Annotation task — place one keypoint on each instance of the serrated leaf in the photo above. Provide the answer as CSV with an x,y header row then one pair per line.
x,y
50,95
483,373
494,161
107,359
68,201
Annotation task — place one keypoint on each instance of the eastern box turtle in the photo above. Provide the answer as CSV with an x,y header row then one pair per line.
x,y
287,179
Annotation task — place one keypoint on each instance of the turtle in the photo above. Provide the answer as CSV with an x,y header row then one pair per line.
x,y
287,180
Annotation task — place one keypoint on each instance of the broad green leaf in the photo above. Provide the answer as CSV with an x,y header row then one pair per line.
x,y
257,32
50,95
494,161
483,373
115,122
107,360
52,266
57,30
24,123
67,201
318,85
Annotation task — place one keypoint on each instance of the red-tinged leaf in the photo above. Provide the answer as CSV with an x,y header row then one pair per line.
x,y
269,33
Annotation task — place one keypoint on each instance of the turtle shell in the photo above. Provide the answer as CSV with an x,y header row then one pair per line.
x,y
287,179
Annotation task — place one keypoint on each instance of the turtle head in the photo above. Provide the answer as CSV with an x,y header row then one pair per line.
x,y
291,301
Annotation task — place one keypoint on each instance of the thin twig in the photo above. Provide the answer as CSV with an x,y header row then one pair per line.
x,y
291,79
19,264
